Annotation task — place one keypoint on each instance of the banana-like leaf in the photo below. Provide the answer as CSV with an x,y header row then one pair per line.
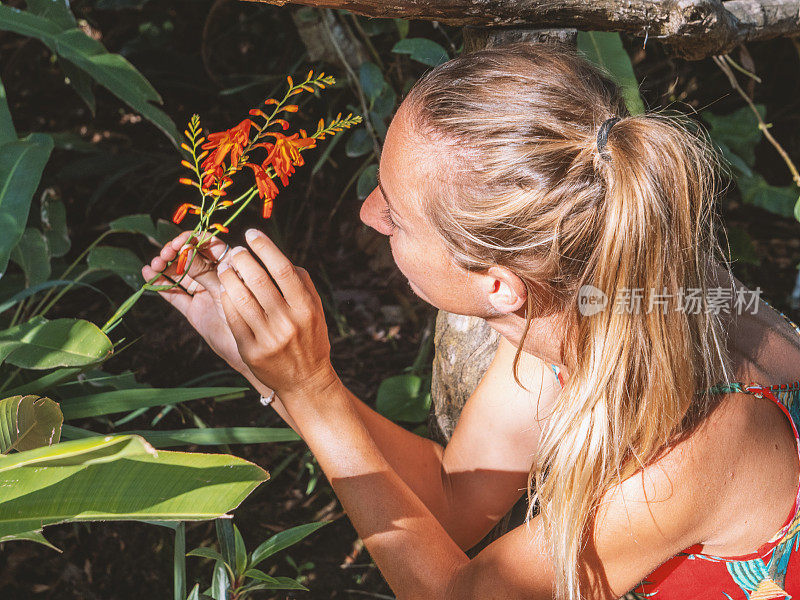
x,y
43,344
604,48
105,403
112,71
118,478
210,436
28,422
21,165
33,257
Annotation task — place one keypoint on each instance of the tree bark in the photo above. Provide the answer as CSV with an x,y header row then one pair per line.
x,y
691,29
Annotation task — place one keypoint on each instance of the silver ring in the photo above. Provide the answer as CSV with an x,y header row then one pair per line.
x,y
224,252
267,400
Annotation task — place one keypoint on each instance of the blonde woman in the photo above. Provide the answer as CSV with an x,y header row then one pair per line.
x,y
514,186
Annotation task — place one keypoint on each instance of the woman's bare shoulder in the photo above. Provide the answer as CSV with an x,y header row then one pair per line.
x,y
729,485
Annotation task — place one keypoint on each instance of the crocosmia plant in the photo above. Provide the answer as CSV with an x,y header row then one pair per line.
x,y
258,145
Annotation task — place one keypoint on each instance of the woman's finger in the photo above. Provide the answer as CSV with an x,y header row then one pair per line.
x,y
280,268
241,331
253,315
257,280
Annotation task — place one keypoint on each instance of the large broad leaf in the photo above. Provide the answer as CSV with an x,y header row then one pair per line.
x,y
111,71
105,403
28,422
21,165
210,436
118,478
42,344
403,398
604,48
33,257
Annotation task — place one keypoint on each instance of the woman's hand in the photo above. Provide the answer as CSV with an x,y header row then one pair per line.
x,y
198,296
280,331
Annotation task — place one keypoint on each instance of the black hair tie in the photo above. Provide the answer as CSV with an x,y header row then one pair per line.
x,y
602,136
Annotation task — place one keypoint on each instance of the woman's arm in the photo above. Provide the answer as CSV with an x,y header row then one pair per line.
x,y
470,484
283,339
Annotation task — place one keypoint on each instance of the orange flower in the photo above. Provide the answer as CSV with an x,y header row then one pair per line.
x,y
284,154
267,189
219,227
230,141
266,211
183,209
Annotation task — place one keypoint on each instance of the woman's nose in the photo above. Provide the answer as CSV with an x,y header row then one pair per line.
x,y
370,210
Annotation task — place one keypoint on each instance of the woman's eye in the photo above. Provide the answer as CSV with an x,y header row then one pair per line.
x,y
387,218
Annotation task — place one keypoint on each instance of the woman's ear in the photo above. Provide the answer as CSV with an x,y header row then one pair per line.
x,y
506,292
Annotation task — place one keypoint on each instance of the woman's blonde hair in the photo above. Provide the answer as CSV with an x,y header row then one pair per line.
x,y
526,187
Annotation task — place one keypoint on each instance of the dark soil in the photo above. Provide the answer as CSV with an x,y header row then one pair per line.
x,y
191,51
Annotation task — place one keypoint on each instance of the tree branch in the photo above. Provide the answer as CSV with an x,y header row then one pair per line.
x,y
692,29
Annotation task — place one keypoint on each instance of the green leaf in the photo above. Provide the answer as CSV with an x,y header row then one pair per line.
x,y
402,398
385,103
28,422
220,583
195,593
111,71
54,225
179,562
402,27
779,200
371,80
210,436
56,11
367,181
30,536
227,543
358,144
21,166
375,26
282,540
206,553
604,49
7,131
33,257
797,209
119,261
241,552
741,246
118,478
281,583
42,344
259,576
166,231
422,50
141,224
31,291
736,133
116,401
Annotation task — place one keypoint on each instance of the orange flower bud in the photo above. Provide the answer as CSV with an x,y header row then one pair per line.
x,y
271,101
185,147
202,155
266,212
283,123
290,108
321,124
187,134
289,79
183,257
226,203
180,213
219,227
186,181
258,113
297,91
218,193
310,73
187,164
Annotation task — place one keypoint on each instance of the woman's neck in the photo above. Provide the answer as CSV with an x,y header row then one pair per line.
x,y
544,338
